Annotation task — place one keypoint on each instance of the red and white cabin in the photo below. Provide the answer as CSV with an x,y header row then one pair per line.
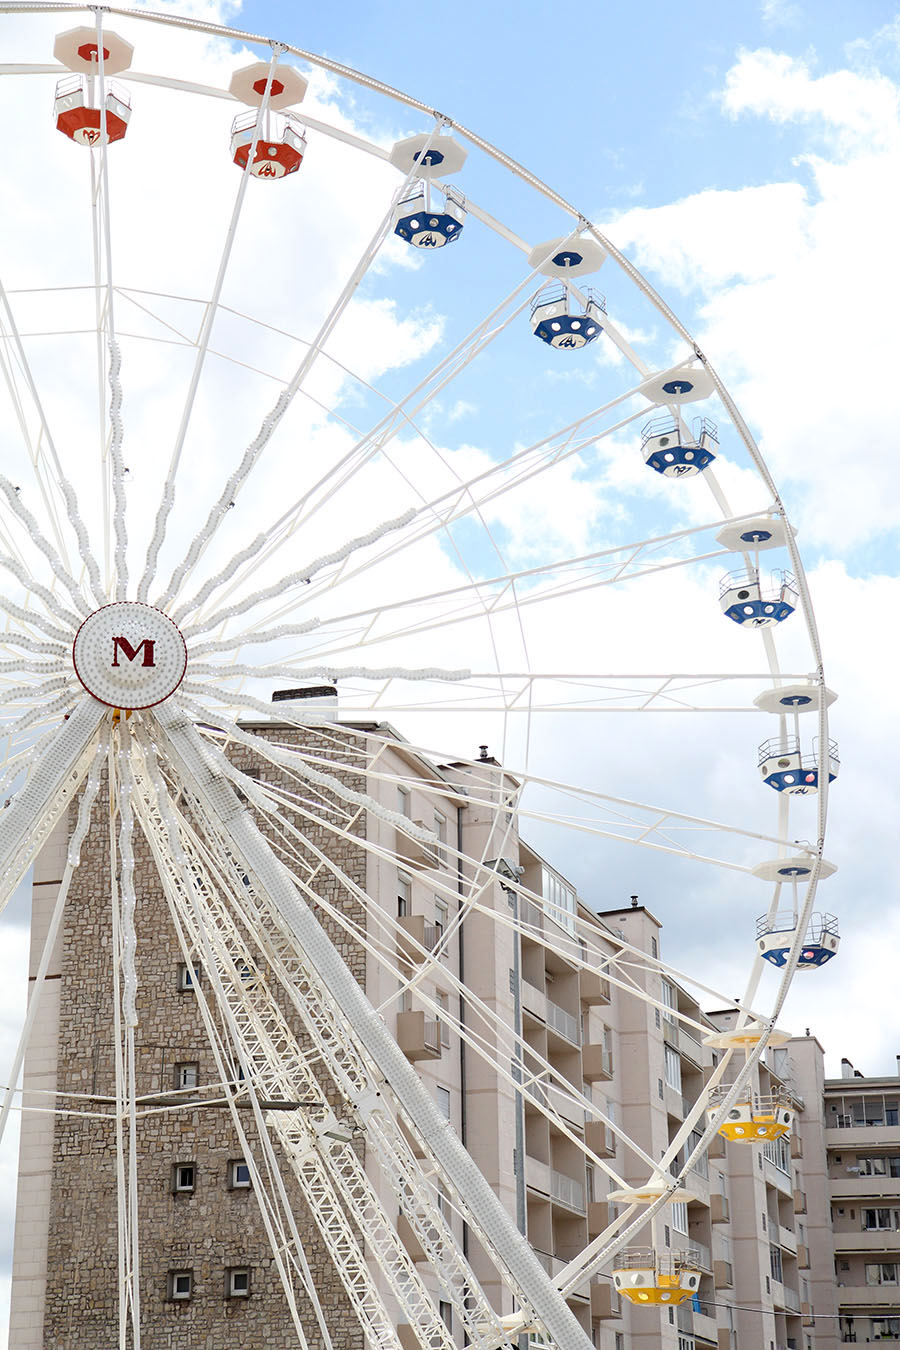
x,y
76,118
271,158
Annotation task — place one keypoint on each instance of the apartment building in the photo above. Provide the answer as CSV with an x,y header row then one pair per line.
x,y
757,1222
862,1139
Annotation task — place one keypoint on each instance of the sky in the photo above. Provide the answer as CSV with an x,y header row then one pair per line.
x,y
747,156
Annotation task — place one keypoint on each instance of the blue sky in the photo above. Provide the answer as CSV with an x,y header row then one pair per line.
x,y
613,105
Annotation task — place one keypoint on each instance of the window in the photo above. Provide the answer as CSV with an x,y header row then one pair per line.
x,y
237,1282
673,1068
443,1101
884,1219
180,1284
560,901
440,919
184,1178
238,1175
886,1328
188,977
881,1272
440,829
404,895
404,801
443,1201
187,1075
654,949
679,1214
656,1013
670,999
443,1002
659,1087
778,1153
447,1315
775,1263
875,1166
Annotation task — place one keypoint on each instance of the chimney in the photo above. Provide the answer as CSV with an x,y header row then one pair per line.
x,y
846,1068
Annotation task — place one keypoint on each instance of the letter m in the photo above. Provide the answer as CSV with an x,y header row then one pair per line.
x,y
121,644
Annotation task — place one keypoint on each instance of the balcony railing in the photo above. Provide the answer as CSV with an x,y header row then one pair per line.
x,y
563,1022
567,1191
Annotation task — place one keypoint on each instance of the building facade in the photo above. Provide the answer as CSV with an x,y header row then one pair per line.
x,y
759,1221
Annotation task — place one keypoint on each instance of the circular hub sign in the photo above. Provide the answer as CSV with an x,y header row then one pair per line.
x,y
129,655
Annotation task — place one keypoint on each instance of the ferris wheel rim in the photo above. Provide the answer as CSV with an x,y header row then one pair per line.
x,y
743,431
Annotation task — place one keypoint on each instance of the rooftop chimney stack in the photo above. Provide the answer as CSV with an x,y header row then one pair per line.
x,y
846,1068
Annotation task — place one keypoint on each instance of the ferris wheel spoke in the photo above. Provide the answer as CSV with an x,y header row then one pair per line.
x,y
168,494
264,1026
252,455
507,1244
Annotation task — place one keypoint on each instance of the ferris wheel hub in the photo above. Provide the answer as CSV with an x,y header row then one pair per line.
x,y
129,655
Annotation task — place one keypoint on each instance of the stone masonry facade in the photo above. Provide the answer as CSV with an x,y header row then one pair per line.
x,y
216,1227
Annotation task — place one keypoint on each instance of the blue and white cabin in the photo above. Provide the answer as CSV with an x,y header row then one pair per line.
x,y
775,937
786,768
428,218
669,450
560,319
752,604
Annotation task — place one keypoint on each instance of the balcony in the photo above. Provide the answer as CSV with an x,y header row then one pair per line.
x,y
875,1240
802,1256
567,1191
564,1104
851,1136
596,1063
600,1215
605,1301
600,1139
563,1023
725,1339
872,1296
534,1000
530,914
417,1038
861,1188
593,989
791,1300
705,1327
787,1238
799,1202
690,1047
723,1276
537,1175
414,930
719,1210
418,853
796,1146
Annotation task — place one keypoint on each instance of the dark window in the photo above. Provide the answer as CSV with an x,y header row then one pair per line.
x,y
180,1284
184,1177
238,1175
237,1282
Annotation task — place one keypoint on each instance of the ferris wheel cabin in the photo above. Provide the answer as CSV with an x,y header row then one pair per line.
x,y
752,1119
669,450
428,218
785,767
749,602
81,121
280,137
272,158
647,1277
775,937
563,321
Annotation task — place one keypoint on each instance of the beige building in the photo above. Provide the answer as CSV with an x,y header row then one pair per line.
x,y
759,1224
862,1139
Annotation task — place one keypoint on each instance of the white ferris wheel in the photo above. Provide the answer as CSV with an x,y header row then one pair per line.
x,y
373,432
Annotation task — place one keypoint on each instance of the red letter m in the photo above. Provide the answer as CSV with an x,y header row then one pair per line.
x,y
122,644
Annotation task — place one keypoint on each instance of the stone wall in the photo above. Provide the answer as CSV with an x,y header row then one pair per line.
x,y
215,1227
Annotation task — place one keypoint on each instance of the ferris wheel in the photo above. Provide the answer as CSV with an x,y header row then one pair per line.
x,y
374,432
